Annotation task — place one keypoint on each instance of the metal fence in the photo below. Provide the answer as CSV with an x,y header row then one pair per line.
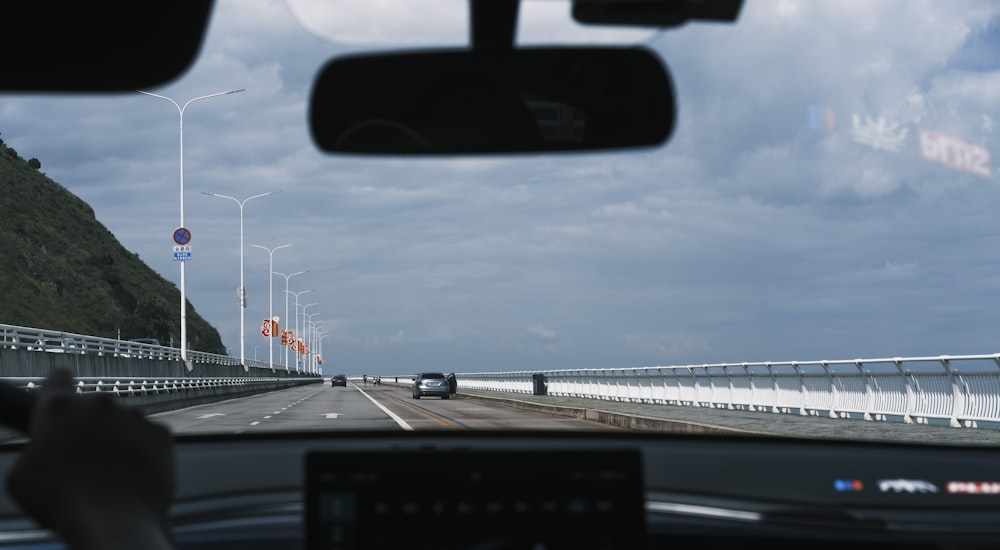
x,y
124,387
36,339
958,390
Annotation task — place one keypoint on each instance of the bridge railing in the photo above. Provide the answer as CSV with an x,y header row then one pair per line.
x,y
123,386
42,340
959,390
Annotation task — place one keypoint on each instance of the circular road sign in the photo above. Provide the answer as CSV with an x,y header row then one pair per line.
x,y
182,235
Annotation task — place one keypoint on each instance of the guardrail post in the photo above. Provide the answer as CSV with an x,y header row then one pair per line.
x,y
957,394
729,384
712,399
694,387
750,384
908,385
803,390
834,393
775,406
869,397
618,380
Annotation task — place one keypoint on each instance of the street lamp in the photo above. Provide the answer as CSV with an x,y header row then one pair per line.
x,y
304,327
297,334
241,293
318,344
270,298
184,239
287,277
319,350
310,326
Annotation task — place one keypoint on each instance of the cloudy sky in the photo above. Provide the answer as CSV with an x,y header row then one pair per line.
x,y
830,192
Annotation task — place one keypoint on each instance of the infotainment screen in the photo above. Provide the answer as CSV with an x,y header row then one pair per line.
x,y
469,499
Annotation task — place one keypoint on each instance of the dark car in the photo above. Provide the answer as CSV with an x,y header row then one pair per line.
x,y
431,383
150,341
338,380
144,348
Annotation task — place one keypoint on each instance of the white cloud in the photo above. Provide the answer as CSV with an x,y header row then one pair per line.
x,y
541,332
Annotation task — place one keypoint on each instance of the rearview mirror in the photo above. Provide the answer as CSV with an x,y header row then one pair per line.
x,y
510,101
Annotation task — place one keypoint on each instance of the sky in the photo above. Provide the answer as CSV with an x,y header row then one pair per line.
x,y
828,192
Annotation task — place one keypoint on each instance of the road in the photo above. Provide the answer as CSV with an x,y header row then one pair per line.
x,y
356,407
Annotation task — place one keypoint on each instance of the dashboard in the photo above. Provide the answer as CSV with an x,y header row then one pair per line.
x,y
453,489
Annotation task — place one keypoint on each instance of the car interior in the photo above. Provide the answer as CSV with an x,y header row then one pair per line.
x,y
509,488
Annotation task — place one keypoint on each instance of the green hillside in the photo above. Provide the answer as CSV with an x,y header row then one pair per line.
x,y
61,269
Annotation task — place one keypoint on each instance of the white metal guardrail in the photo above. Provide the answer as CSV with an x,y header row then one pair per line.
x,y
960,390
122,386
35,339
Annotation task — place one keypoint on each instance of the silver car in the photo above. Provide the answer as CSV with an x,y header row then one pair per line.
x,y
431,383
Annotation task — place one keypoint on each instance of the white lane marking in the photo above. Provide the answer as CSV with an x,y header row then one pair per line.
x,y
331,415
255,422
210,415
276,412
206,405
402,423
268,416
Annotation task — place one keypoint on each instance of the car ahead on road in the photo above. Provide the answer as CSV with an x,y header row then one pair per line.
x,y
58,345
144,348
150,341
51,345
431,383
338,380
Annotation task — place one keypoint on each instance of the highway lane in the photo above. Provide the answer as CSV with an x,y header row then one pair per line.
x,y
382,407
311,407
430,413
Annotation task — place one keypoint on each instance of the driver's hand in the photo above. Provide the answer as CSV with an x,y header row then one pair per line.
x,y
99,474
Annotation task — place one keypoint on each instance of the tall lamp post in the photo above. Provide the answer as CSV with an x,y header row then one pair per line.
x,y
310,325
297,335
180,110
270,298
287,277
241,293
318,344
304,308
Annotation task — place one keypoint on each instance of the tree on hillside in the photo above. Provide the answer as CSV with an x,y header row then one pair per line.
x,y
151,319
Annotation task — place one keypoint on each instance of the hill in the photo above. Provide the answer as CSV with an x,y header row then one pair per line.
x,y
61,269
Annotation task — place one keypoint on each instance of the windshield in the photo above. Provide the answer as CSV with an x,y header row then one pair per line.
x,y
816,238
